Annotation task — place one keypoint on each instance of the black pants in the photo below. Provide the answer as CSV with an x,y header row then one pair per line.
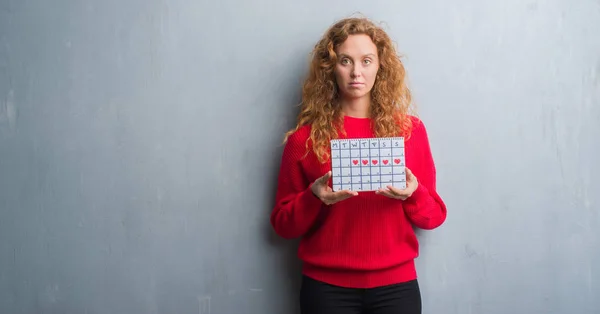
x,y
320,298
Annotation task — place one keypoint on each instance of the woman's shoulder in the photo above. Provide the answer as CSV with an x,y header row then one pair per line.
x,y
416,122
297,139
299,135
417,128
296,143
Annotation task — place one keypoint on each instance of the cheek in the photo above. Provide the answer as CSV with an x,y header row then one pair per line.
x,y
339,73
372,75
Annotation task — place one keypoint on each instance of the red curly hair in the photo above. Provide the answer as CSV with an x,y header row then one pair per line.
x,y
390,96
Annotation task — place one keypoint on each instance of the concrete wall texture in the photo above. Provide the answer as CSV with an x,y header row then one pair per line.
x,y
140,143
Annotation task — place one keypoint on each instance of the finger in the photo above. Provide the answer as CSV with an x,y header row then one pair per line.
x,y
340,193
345,193
394,190
340,198
332,193
410,176
334,197
389,195
324,178
385,192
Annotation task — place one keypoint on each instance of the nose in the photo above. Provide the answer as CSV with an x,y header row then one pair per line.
x,y
355,71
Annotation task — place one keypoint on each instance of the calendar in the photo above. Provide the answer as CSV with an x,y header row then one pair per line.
x,y
367,164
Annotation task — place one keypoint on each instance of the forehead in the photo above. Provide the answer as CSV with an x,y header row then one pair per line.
x,y
357,45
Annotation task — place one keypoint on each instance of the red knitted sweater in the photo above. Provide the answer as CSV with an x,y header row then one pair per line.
x,y
364,241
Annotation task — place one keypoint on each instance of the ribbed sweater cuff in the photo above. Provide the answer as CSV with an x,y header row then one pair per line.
x,y
308,200
420,193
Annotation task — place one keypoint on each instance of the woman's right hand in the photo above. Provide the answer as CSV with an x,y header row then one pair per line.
x,y
321,189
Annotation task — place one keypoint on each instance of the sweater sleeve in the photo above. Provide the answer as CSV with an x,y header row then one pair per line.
x,y
425,208
296,207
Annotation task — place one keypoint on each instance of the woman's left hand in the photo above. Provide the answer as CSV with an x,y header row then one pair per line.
x,y
402,194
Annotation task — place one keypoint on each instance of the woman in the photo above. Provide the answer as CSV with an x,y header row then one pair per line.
x,y
357,248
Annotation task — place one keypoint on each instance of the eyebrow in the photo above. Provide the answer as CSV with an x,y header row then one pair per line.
x,y
367,55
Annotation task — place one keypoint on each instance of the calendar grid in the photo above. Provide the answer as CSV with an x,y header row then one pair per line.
x,y
366,164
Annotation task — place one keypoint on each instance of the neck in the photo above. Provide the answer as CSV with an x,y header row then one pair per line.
x,y
357,107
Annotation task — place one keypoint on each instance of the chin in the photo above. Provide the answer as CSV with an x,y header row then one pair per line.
x,y
355,94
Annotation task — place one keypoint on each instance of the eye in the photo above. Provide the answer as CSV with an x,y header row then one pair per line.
x,y
368,61
345,61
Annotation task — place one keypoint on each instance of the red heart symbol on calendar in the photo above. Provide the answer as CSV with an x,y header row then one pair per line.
x,y
355,162
365,162
374,161
397,161
385,161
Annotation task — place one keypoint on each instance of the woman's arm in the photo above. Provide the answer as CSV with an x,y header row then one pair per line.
x,y
424,208
296,207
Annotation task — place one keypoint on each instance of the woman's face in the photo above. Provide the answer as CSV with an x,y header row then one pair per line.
x,y
357,66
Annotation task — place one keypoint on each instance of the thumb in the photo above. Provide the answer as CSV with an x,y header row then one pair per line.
x,y
410,176
409,173
325,177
